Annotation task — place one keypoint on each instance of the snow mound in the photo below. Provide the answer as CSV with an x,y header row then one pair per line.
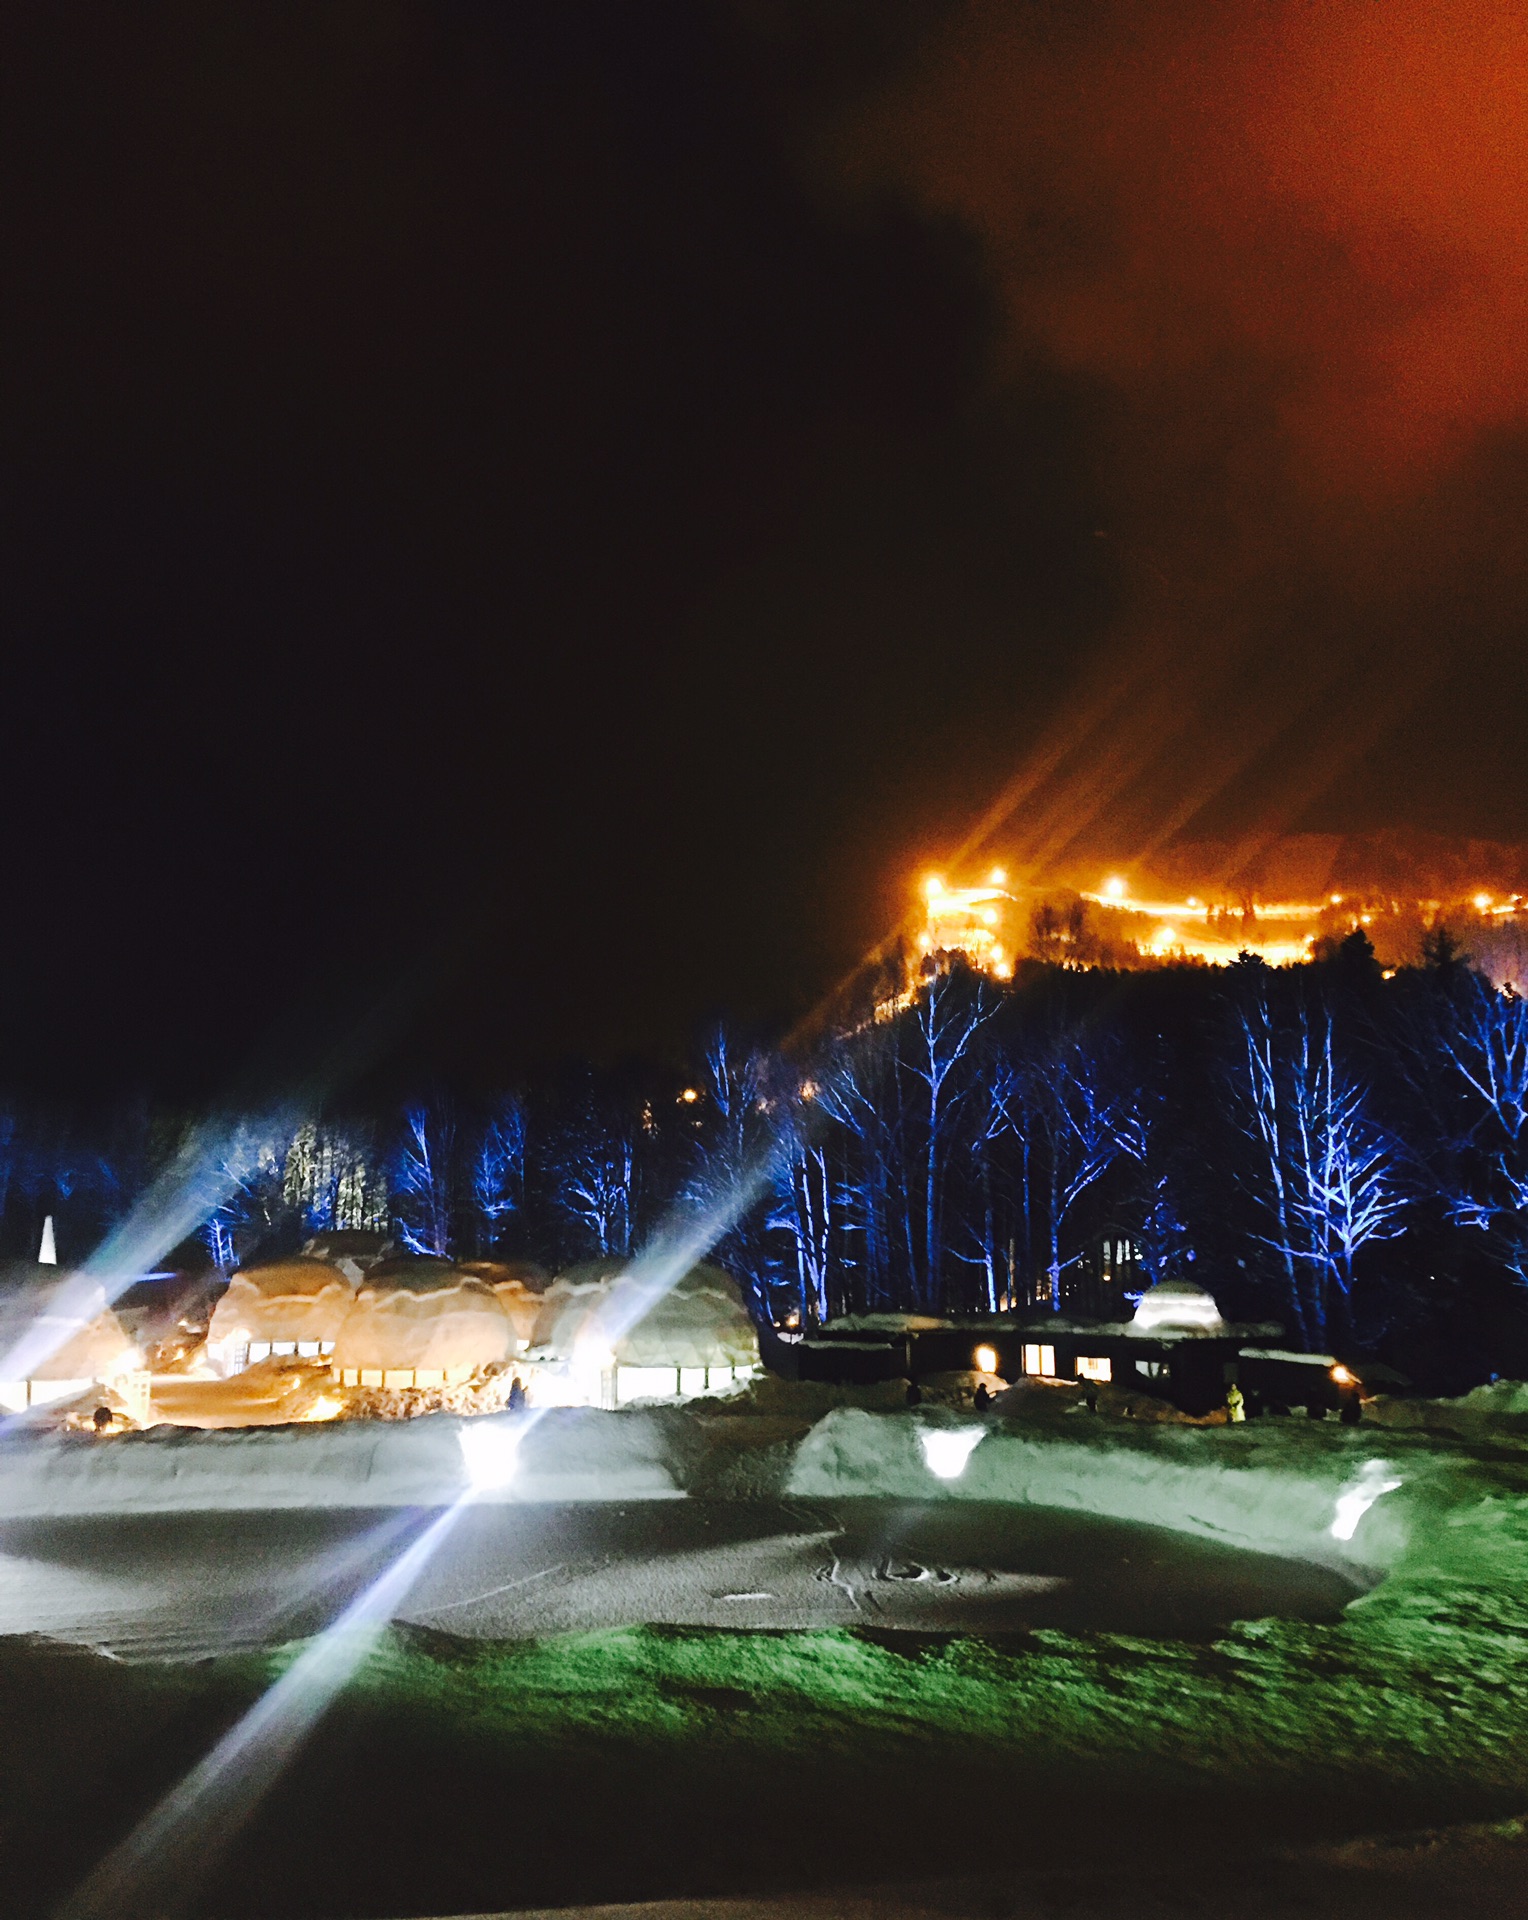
x,y
1272,1491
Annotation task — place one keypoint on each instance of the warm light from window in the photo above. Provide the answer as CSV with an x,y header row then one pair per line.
x,y
1094,1367
1040,1360
985,1359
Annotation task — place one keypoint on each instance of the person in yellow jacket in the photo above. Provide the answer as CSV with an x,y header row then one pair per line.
x,y
1236,1406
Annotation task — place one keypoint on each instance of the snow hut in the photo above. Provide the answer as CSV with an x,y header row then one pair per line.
x,y
690,1338
520,1287
421,1323
291,1307
58,1338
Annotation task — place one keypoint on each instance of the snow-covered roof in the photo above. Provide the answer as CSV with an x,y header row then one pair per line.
x,y
1178,1306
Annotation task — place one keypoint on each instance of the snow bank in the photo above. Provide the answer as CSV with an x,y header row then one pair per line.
x,y
1271,1489
567,1454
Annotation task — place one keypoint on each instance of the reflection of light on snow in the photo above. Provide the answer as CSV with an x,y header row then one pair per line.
x,y
1375,1477
491,1449
946,1453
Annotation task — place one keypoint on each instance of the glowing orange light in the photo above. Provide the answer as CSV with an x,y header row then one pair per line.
x,y
1481,902
985,1359
1336,899
933,886
1115,888
690,1096
997,877
1344,1377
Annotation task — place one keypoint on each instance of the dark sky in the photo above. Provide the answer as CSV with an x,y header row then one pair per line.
x,y
542,517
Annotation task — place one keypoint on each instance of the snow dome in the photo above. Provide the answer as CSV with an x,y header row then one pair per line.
x,y
289,1307
421,1323
58,1336
1177,1307
694,1336
520,1287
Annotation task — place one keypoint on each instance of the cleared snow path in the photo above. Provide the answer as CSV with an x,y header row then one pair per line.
x,y
172,1586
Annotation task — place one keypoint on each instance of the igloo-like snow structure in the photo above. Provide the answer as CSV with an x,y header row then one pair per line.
x,y
421,1323
58,1338
291,1307
690,1338
1177,1307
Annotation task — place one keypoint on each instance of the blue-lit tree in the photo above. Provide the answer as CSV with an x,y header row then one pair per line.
x,y
1074,1100
948,1018
1482,1042
735,1148
498,1170
596,1182
423,1181
1325,1176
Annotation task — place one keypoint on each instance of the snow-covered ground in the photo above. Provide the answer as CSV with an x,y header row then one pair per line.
x,y
588,1636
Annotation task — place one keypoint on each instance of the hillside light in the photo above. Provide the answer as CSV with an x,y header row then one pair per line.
x,y
1115,888
946,1453
1482,902
933,886
997,877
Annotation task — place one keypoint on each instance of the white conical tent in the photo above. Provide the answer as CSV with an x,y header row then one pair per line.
x,y
58,1337
47,1252
422,1324
287,1308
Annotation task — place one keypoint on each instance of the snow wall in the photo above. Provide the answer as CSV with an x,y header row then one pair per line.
x,y
1277,1487
1364,1501
571,1453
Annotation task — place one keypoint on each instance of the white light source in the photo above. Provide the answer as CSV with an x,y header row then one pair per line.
x,y
1375,1477
491,1450
945,1453
985,1359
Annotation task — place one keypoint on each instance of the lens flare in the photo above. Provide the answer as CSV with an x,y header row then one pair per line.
x,y
1375,1477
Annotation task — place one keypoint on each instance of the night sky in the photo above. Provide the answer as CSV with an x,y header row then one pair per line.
x,y
524,526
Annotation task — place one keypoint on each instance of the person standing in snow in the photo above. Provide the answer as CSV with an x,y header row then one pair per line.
x,y
1236,1406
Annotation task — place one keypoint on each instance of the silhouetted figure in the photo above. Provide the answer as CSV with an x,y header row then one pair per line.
x,y
516,1396
914,1397
102,1418
982,1398
1352,1411
1315,1413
